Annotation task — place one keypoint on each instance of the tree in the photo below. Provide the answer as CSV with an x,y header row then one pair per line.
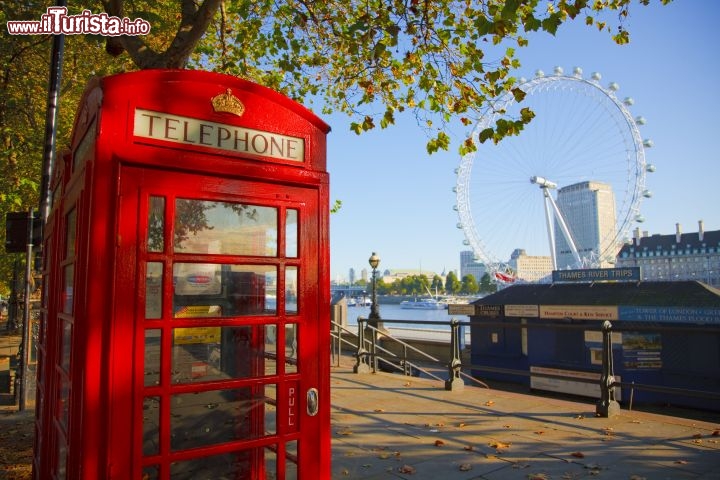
x,y
469,285
440,61
486,285
437,284
452,284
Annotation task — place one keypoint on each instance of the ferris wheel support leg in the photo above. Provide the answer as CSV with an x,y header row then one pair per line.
x,y
565,230
550,228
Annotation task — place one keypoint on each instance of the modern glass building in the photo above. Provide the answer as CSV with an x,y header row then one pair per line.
x,y
589,211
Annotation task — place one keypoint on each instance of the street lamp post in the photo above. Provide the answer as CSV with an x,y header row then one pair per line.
x,y
374,316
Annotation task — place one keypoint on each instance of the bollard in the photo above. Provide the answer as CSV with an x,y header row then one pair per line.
x,y
607,406
362,356
454,382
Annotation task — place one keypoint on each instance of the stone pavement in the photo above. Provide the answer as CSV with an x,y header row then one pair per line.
x,y
388,426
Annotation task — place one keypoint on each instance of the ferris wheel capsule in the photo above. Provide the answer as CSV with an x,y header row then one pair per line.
x,y
596,76
613,87
647,193
648,143
539,73
640,120
577,71
629,101
559,70
650,168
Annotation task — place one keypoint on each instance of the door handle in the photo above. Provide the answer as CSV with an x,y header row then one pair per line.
x,y
312,402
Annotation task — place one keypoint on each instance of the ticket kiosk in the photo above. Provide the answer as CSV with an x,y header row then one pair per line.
x,y
185,320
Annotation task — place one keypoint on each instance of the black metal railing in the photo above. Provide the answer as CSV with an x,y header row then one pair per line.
x,y
369,354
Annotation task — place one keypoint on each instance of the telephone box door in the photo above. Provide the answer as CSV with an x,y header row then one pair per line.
x,y
227,378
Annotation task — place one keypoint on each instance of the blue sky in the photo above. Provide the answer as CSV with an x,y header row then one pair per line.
x,y
397,199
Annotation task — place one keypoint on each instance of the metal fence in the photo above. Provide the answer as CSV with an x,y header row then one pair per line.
x,y
366,345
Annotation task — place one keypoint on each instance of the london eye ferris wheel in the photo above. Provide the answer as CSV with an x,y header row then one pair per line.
x,y
507,193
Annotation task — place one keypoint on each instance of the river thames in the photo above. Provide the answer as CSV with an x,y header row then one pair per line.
x,y
395,312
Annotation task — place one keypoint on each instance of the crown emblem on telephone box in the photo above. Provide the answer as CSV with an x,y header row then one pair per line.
x,y
228,103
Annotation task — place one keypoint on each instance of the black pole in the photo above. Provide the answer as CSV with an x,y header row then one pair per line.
x,y
607,406
21,379
56,59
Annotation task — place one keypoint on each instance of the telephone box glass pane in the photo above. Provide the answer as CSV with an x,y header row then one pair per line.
x,y
153,290
71,222
218,290
66,346
203,354
152,357
68,281
291,344
291,293
150,473
225,228
156,224
291,460
259,463
291,233
201,419
151,425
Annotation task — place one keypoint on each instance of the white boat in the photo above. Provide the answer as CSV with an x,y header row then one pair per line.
x,y
423,304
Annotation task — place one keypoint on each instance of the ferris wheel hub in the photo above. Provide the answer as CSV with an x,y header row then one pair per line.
x,y
542,182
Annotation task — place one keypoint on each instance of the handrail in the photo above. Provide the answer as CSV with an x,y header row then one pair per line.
x,y
367,355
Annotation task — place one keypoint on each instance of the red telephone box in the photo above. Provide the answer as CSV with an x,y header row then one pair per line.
x,y
185,323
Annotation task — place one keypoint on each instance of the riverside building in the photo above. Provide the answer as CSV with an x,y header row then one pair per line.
x,y
682,256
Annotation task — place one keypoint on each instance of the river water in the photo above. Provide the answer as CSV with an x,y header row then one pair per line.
x,y
395,312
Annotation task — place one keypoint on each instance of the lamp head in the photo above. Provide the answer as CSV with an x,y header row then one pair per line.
x,y
374,260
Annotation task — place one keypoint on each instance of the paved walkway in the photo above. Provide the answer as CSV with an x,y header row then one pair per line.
x,y
387,426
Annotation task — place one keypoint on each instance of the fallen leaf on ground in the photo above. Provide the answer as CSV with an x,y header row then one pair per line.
x,y
379,410
537,476
697,435
578,454
499,445
489,403
468,448
439,443
406,469
465,467
681,462
716,433
539,432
